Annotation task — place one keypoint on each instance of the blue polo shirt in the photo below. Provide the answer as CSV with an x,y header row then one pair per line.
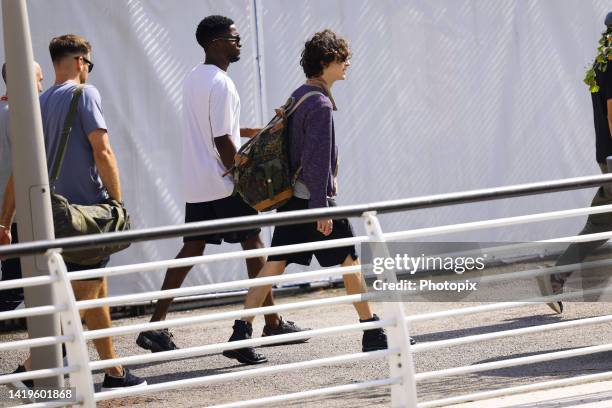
x,y
79,180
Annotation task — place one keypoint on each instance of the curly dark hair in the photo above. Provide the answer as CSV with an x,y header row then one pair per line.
x,y
212,27
323,48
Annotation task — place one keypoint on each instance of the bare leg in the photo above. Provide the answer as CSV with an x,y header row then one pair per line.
x,y
257,295
176,276
254,265
98,318
354,284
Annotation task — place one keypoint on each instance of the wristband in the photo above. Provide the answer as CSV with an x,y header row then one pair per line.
x,y
4,227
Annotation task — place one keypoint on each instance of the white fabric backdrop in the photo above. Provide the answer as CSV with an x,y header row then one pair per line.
x,y
441,96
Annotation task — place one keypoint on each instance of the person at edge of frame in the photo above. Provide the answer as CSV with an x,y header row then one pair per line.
x,y
602,115
10,299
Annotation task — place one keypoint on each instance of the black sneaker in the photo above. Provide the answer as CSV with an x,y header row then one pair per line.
x,y
156,340
243,331
118,383
284,327
375,339
24,384
6,305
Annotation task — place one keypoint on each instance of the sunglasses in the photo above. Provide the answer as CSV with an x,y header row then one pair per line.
x,y
233,38
90,64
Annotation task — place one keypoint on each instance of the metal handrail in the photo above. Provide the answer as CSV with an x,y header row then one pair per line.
x,y
275,369
305,216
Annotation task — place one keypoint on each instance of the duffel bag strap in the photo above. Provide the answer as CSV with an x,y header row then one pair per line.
x,y
65,136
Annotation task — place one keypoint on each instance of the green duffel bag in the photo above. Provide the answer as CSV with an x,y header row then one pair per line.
x,y
73,220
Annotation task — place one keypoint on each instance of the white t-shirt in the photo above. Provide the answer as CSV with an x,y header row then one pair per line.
x,y
211,108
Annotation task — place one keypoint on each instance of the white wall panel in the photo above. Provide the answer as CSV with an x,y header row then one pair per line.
x,y
441,96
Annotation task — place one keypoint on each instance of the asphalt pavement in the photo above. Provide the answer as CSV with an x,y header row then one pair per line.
x,y
438,329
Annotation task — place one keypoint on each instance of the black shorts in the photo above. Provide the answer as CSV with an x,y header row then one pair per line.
x,y
303,233
11,269
228,207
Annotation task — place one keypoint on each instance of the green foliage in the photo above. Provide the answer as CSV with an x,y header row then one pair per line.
x,y
604,54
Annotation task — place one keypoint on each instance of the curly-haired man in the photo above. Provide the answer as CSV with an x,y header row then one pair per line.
x,y
314,157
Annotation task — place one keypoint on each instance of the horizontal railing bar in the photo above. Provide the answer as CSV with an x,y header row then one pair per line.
x,y
479,396
233,314
502,305
236,314
35,374
37,342
216,348
245,254
512,362
509,333
214,287
270,401
466,311
305,216
239,375
51,404
539,272
580,238
32,311
27,282
495,223
530,273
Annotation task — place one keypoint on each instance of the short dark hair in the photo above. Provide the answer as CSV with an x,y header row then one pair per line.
x,y
212,27
4,72
322,49
68,44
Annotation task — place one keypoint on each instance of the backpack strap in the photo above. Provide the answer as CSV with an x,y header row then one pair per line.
x,y
293,109
302,99
65,136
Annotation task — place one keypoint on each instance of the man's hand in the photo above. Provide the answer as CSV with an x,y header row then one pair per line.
x,y
325,226
5,235
226,150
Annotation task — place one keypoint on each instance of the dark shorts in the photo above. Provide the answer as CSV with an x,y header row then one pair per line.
x,y
228,207
71,267
11,269
303,233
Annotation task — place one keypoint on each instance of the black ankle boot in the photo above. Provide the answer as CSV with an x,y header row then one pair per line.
x,y
243,331
375,339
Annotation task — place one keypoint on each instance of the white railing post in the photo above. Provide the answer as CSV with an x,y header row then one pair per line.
x,y
400,364
76,350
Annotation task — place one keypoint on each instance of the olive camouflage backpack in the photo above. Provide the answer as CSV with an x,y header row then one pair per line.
x,y
261,168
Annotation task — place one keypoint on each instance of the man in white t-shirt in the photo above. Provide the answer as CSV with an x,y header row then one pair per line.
x,y
211,110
